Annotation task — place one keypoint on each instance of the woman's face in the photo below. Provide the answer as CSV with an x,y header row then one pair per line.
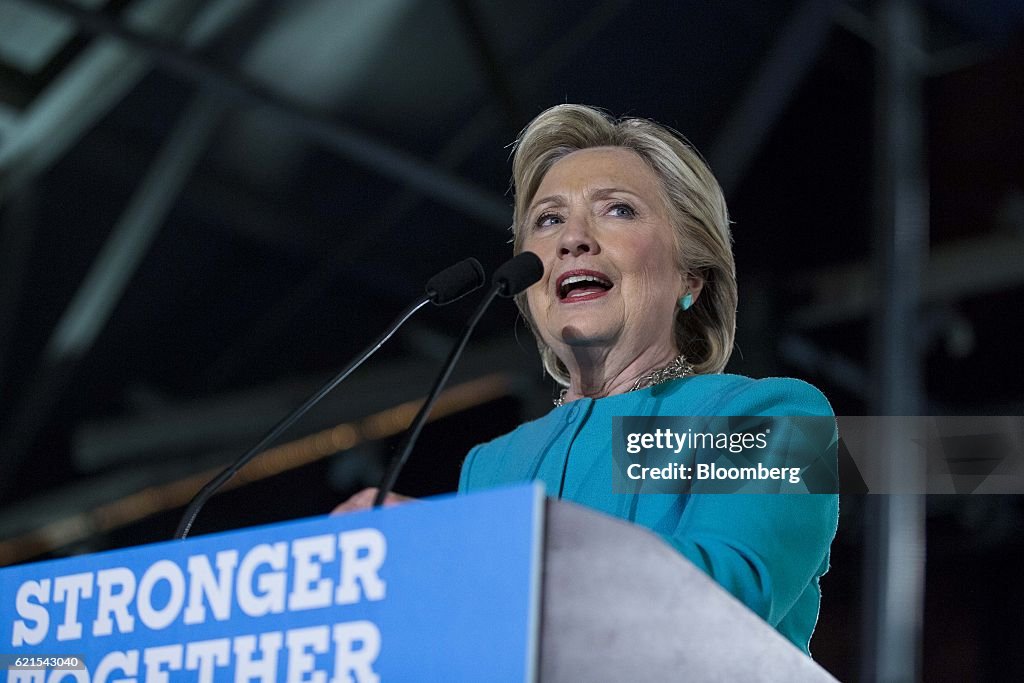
x,y
600,225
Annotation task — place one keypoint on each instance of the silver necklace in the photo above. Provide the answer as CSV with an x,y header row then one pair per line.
x,y
679,367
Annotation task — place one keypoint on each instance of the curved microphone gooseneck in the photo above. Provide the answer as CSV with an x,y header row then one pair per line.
x,y
450,284
511,278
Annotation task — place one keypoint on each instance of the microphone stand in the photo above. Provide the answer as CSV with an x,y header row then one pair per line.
x,y
196,504
511,278
451,284
404,449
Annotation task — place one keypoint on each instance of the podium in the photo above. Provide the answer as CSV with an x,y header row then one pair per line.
x,y
494,586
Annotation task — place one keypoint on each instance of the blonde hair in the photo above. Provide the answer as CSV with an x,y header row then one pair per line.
x,y
705,332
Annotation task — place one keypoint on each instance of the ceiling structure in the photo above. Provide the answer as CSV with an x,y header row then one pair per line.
x,y
208,207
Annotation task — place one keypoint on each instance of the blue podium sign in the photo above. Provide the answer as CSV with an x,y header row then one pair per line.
x,y
445,589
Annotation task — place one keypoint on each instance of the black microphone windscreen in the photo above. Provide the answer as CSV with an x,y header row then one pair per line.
x,y
518,273
455,282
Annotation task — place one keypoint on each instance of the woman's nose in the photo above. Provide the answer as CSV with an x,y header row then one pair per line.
x,y
577,238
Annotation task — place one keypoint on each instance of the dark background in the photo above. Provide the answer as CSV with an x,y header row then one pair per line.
x,y
207,208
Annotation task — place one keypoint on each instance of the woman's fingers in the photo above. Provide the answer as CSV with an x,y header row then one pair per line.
x,y
359,501
364,501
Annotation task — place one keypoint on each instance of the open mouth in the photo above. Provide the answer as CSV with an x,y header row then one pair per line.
x,y
578,285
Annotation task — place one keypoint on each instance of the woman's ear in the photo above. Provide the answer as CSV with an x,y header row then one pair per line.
x,y
692,285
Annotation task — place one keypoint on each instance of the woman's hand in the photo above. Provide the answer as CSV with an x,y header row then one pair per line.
x,y
364,501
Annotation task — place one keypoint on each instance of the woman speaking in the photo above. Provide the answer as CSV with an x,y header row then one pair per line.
x,y
635,316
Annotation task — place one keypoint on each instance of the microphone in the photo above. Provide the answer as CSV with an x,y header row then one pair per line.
x,y
451,284
455,282
511,278
518,273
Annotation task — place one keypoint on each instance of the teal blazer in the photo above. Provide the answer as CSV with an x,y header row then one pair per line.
x,y
770,551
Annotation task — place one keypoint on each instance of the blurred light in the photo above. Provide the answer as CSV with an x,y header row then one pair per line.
x,y
274,461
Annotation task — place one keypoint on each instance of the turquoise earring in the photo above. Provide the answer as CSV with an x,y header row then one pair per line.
x,y
686,301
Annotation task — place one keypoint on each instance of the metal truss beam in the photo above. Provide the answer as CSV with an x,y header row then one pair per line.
x,y
776,81
360,148
106,280
86,91
895,534
955,270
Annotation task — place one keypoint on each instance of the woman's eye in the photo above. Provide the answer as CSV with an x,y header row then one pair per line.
x,y
548,219
623,210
